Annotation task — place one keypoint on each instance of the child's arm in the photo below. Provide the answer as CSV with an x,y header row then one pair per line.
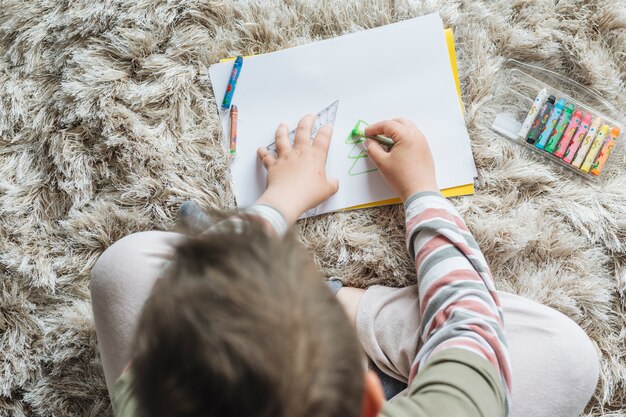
x,y
461,332
271,220
296,180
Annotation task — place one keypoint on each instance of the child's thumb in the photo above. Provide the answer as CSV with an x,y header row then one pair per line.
x,y
375,151
334,185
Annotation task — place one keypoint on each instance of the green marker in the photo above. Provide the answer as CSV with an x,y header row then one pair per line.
x,y
560,128
383,140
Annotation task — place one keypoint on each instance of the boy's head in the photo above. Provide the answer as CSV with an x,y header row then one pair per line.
x,y
243,325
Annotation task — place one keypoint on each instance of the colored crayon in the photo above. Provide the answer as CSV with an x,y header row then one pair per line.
x,y
584,147
595,148
596,169
383,140
550,124
540,122
533,112
560,128
232,82
233,129
577,139
560,148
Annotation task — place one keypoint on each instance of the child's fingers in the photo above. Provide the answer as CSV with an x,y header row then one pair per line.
x,y
322,140
282,139
404,121
375,152
266,157
303,132
389,128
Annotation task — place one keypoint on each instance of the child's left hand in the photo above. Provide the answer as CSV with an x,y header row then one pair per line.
x,y
296,178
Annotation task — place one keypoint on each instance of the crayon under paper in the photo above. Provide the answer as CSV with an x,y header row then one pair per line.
x,y
596,169
560,128
577,139
533,113
232,82
561,147
584,147
550,124
540,122
595,148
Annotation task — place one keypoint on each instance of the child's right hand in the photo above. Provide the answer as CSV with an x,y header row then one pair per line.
x,y
408,167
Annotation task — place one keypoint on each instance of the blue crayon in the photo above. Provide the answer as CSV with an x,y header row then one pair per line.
x,y
232,82
550,124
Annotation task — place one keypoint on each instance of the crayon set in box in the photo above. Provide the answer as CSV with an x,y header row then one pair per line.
x,y
563,121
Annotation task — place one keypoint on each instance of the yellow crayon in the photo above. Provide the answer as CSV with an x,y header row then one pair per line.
x,y
605,152
595,148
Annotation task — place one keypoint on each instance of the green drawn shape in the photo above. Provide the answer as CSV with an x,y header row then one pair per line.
x,y
360,152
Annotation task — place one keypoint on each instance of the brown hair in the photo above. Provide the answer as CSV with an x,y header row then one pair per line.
x,y
242,325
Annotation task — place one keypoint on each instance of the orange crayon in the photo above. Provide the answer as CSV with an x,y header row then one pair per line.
x,y
596,169
233,129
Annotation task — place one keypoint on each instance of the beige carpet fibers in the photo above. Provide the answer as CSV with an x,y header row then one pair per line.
x,y
107,124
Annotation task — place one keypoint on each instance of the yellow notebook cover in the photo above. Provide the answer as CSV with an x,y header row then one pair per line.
x,y
467,189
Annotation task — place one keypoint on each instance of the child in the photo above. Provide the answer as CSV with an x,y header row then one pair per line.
x,y
241,325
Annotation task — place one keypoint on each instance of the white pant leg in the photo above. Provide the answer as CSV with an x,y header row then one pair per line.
x,y
555,365
121,281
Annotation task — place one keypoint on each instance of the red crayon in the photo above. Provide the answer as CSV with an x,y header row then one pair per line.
x,y
561,147
577,139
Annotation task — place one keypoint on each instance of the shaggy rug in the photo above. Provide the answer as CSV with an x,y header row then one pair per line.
x,y
107,124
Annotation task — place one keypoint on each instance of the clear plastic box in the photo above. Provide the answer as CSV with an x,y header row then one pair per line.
x,y
517,87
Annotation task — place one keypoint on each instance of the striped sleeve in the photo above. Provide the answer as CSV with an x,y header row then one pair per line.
x,y
270,219
458,303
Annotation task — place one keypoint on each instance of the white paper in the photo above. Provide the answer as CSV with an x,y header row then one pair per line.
x,y
392,71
